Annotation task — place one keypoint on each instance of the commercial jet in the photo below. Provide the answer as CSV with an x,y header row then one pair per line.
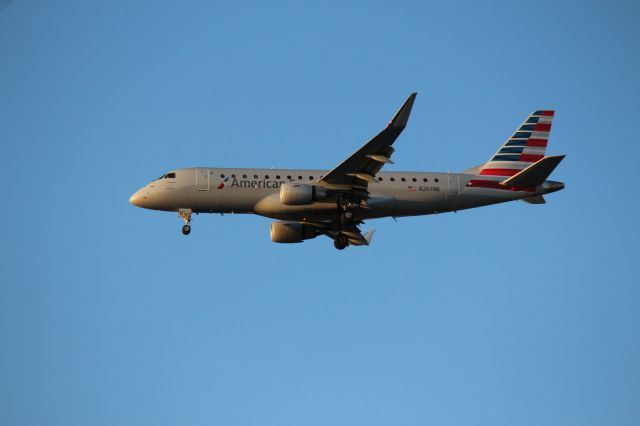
x,y
335,203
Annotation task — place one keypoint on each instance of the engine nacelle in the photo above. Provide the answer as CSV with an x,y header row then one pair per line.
x,y
291,232
298,194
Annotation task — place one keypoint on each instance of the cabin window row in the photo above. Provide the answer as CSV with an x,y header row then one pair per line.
x,y
277,177
402,179
289,177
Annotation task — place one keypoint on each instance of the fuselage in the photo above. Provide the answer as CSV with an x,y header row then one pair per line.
x,y
229,190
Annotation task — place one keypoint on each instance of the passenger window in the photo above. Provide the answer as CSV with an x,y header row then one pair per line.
x,y
425,179
403,179
310,177
244,176
278,177
379,179
233,176
289,177
436,179
266,176
299,177
414,179
255,176
222,175
392,179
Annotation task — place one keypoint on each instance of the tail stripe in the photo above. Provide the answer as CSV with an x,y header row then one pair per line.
x,y
531,158
537,142
520,135
506,158
526,145
511,149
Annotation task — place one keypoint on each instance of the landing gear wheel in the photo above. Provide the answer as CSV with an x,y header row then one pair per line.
x,y
185,214
346,217
341,242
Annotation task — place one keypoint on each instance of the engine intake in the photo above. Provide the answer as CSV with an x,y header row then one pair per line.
x,y
298,194
291,232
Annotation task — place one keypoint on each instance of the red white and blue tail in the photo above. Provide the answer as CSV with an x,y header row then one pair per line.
x,y
525,146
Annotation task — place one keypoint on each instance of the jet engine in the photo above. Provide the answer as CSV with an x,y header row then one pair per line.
x,y
298,194
291,232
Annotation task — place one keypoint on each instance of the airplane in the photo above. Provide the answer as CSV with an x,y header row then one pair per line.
x,y
335,203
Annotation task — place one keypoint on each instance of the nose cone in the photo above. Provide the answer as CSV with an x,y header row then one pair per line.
x,y
136,199
552,186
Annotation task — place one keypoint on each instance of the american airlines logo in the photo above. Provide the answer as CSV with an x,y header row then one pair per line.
x,y
235,183
223,182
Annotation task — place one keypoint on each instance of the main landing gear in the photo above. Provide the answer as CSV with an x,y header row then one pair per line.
x,y
346,215
341,242
186,215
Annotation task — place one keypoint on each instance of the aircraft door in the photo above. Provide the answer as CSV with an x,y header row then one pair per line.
x,y
202,179
453,185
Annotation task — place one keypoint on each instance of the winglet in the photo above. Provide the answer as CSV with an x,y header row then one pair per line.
x,y
402,116
368,236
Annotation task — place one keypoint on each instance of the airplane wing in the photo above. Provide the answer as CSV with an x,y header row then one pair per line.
x,y
357,171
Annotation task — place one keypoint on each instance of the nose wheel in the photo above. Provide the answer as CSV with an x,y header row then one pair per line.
x,y
186,215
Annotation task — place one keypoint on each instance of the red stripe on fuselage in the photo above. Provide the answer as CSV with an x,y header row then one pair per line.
x,y
499,172
493,184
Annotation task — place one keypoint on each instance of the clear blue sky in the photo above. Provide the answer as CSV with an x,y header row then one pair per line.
x,y
510,314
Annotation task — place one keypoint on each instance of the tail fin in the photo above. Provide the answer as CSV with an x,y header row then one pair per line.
x,y
525,146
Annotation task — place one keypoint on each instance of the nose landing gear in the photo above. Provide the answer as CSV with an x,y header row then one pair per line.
x,y
186,215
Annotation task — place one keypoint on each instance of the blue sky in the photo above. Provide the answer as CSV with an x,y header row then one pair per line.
x,y
509,314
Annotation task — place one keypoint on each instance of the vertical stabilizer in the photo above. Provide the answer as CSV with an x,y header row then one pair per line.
x,y
525,146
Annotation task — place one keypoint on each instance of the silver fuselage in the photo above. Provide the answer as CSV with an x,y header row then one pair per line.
x,y
226,190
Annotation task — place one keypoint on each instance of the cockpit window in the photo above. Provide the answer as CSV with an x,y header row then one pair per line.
x,y
167,176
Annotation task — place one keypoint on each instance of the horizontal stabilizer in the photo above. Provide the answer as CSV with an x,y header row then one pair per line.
x,y
537,199
535,174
